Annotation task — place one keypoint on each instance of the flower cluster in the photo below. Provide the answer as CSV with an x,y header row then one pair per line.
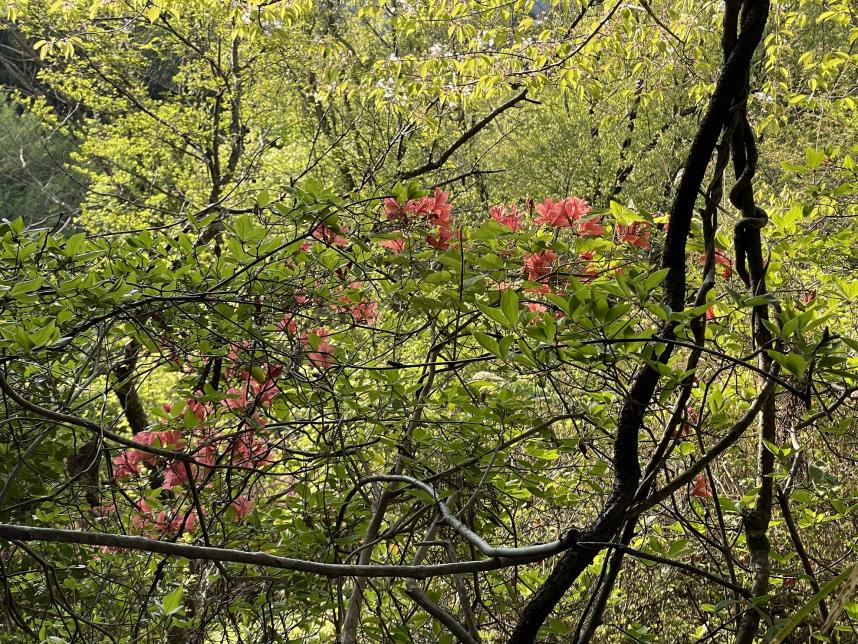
x,y
566,213
167,522
434,209
636,234
319,349
509,218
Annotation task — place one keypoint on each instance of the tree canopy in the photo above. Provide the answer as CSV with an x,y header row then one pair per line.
x,y
433,321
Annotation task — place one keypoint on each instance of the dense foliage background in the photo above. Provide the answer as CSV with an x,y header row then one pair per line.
x,y
428,321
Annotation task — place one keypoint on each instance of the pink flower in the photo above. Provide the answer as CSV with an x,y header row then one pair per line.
x,y
586,255
330,235
251,451
127,463
701,489
685,428
552,213
710,314
538,265
264,392
242,507
634,234
166,439
197,408
288,324
142,516
180,521
440,211
175,475
575,208
321,356
394,210
361,311
441,240
162,523
365,312
396,245
236,398
536,308
590,228
237,348
207,454
511,219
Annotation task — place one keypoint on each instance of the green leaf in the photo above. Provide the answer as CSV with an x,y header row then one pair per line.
x,y
814,157
20,288
622,214
496,315
247,230
509,306
488,343
655,279
172,602
792,362
759,300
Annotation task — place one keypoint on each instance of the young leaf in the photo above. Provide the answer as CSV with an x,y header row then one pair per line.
x,y
509,306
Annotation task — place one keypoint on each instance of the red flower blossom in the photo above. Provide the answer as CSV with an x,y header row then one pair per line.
x,y
166,439
236,398
250,450
538,265
329,235
511,219
575,208
200,410
242,507
175,475
396,245
441,240
685,427
552,213
321,356
440,210
590,228
127,463
535,307
288,324
635,234
395,210
701,489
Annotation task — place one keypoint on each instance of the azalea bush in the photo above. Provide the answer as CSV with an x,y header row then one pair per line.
x,y
323,346
431,322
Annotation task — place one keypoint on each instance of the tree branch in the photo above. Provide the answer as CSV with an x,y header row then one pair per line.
x,y
464,138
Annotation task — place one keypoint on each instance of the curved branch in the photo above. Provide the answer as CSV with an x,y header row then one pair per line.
x,y
540,550
469,134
